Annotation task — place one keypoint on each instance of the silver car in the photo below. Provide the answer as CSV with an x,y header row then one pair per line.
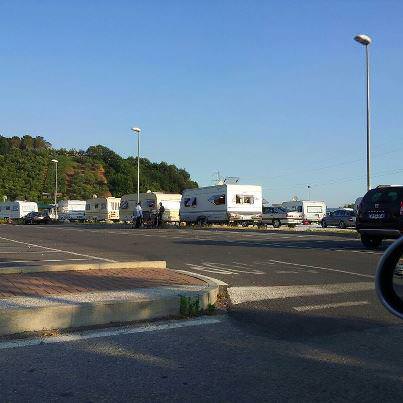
x,y
278,216
342,218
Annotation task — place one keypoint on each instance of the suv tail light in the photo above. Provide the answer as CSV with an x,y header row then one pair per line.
x,y
401,207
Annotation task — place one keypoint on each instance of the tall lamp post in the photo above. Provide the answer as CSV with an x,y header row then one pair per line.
x,y
365,40
55,162
309,192
137,130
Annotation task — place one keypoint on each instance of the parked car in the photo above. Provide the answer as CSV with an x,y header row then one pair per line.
x,y
36,217
342,218
278,216
380,215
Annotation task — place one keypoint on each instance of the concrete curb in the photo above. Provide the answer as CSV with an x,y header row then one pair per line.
x,y
212,282
157,264
67,314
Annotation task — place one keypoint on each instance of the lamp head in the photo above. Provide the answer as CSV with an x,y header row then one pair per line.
x,y
363,39
136,130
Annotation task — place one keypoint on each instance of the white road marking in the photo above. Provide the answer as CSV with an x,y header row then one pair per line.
x,y
240,295
67,338
305,308
28,251
46,261
58,250
322,268
222,268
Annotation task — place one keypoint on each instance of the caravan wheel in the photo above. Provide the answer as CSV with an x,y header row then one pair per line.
x,y
276,223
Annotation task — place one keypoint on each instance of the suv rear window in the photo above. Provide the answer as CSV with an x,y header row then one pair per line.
x,y
384,196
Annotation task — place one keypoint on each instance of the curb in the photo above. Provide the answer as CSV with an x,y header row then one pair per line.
x,y
212,282
16,319
157,264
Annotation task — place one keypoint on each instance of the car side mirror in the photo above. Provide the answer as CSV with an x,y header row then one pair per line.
x,y
389,278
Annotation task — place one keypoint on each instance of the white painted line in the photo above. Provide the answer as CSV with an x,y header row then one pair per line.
x,y
46,260
68,338
58,250
305,308
323,268
240,295
23,252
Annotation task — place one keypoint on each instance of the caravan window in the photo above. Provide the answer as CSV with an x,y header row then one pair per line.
x,y
150,203
190,202
244,199
96,206
7,207
299,209
217,199
88,207
15,208
103,206
124,204
314,209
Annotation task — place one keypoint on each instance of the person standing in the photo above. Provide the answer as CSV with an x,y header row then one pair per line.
x,y
139,215
161,212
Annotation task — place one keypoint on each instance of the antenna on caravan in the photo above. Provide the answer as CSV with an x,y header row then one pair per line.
x,y
94,196
294,198
218,180
231,180
4,199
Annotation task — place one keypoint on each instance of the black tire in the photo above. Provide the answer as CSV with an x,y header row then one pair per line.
x,y
324,224
371,242
276,223
342,225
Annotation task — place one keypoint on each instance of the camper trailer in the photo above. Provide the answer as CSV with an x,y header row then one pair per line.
x,y
150,202
312,211
71,210
17,209
102,209
227,203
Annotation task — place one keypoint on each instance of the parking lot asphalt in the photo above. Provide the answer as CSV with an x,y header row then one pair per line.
x,y
287,289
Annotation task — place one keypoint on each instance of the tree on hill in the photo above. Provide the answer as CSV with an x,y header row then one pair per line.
x,y
26,172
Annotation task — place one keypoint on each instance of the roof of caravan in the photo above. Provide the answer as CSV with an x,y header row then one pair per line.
x,y
233,185
17,201
156,194
104,198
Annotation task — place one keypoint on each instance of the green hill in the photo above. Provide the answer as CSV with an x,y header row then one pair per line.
x,y
26,172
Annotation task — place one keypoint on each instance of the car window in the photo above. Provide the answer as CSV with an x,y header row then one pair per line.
x,y
384,196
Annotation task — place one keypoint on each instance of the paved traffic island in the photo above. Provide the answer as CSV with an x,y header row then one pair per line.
x,y
46,300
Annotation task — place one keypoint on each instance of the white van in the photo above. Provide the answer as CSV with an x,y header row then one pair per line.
x,y
228,203
312,211
102,209
72,210
17,209
150,202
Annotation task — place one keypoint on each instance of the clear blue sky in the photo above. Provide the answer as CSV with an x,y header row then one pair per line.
x,y
270,91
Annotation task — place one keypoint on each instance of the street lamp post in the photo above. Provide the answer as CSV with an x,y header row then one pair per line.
x,y
138,131
365,40
309,192
55,200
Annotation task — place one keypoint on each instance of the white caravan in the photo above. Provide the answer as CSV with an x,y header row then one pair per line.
x,y
17,209
150,202
312,211
72,210
102,209
228,203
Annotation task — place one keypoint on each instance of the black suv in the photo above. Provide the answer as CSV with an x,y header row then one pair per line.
x,y
380,215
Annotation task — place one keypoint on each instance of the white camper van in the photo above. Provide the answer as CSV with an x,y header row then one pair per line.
x,y
72,210
17,209
312,211
102,209
228,203
150,202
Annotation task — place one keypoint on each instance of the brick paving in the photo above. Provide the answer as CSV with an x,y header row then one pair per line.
x,y
72,282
